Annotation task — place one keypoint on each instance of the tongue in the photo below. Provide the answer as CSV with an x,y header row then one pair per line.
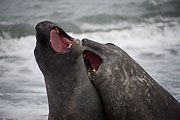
x,y
58,42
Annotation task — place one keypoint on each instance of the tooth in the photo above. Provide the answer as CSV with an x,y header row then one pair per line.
x,y
89,73
57,30
69,45
94,70
50,42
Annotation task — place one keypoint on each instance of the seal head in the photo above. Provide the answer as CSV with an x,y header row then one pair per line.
x,y
128,92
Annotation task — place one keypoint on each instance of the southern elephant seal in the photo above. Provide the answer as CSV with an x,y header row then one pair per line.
x,y
128,92
71,96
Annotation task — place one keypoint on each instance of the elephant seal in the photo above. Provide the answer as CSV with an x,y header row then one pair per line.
x,y
71,96
128,92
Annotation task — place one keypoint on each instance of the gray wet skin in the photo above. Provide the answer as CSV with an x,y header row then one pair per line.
x,y
126,89
71,96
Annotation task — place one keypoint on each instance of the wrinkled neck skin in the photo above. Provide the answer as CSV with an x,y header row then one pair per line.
x,y
71,96
126,89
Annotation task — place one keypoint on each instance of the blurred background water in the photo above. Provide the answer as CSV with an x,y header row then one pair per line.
x,y
148,30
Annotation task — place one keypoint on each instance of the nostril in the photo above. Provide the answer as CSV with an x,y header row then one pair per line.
x,y
84,41
38,26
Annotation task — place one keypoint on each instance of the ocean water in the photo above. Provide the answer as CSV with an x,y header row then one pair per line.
x,y
148,30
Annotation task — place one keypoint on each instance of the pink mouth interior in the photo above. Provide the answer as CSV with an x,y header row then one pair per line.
x,y
58,42
94,59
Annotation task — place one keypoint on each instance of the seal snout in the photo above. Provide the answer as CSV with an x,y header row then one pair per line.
x,y
50,34
45,25
37,26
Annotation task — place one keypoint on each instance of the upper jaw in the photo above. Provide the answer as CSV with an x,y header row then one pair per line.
x,y
95,47
42,32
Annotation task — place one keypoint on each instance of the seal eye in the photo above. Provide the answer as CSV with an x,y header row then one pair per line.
x,y
58,41
92,61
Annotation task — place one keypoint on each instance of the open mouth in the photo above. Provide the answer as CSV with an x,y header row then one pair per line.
x,y
59,40
92,61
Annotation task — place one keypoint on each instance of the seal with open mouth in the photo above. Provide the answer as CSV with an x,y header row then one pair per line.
x,y
128,92
71,96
